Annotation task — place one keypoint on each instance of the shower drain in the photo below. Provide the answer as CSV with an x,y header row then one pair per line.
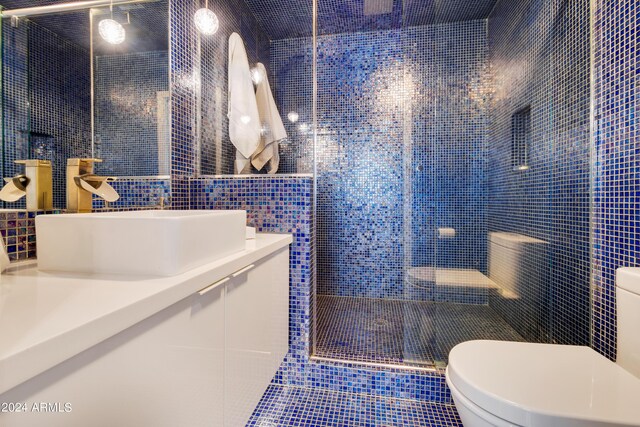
x,y
381,322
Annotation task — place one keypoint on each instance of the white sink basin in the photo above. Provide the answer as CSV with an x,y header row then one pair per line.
x,y
161,243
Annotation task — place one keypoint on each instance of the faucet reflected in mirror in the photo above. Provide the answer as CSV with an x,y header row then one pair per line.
x,y
36,183
82,184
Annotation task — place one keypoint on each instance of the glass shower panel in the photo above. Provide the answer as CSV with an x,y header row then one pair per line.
x,y
445,175
446,201
447,271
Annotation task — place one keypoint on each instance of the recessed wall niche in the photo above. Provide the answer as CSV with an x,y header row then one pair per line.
x,y
521,138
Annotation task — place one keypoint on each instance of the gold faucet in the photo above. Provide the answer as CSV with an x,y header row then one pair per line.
x,y
36,184
82,184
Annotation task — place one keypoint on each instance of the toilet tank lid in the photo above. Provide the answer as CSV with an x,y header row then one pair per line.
x,y
513,240
628,278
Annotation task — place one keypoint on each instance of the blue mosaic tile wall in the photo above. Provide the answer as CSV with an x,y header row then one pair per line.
x,y
184,57
18,229
198,90
360,165
126,94
284,205
615,164
375,164
446,174
452,182
47,101
138,193
539,53
275,205
291,66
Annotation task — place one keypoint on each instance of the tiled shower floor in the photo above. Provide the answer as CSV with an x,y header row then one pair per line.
x,y
414,333
289,406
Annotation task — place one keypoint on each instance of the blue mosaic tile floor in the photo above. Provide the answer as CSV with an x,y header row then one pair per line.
x,y
413,333
289,406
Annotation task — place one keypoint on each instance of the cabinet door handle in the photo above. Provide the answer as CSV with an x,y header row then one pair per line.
x,y
244,270
215,285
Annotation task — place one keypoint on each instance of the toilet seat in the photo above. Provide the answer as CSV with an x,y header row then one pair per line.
x,y
556,385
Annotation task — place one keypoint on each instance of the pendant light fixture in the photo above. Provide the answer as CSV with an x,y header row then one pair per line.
x,y
206,21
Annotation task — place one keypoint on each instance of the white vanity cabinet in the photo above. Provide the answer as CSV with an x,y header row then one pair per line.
x,y
257,334
204,361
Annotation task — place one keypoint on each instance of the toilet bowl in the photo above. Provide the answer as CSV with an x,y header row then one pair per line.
x,y
501,383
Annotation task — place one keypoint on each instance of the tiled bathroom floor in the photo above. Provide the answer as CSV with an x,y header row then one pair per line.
x,y
288,406
413,333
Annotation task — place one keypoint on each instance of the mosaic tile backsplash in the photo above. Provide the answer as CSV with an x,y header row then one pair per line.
x,y
18,230
138,193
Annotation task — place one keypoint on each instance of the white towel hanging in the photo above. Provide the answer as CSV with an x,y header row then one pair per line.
x,y
244,120
273,128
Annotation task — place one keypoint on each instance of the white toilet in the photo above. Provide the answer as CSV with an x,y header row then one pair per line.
x,y
498,383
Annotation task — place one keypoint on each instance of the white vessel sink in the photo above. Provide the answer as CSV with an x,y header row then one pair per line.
x,y
160,243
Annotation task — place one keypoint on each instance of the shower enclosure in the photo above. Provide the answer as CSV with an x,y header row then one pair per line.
x,y
449,145
452,176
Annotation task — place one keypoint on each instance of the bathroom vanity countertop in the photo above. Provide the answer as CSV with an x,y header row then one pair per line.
x,y
49,317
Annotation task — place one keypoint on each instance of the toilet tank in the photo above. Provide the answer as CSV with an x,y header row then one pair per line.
x,y
514,264
628,318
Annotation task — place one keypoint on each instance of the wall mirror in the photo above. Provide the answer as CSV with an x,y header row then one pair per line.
x,y
131,90
70,91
